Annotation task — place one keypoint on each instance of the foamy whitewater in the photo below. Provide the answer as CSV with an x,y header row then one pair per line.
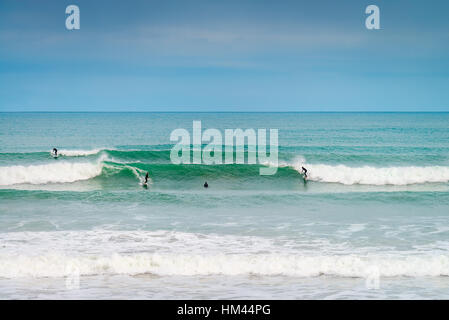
x,y
61,172
186,257
78,153
369,222
396,176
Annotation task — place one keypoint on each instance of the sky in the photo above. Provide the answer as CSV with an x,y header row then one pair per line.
x,y
217,55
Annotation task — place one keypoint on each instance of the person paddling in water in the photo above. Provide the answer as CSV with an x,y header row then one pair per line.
x,y
206,185
304,172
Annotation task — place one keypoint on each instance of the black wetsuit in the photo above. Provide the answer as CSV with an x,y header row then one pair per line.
x,y
146,178
304,170
206,185
55,151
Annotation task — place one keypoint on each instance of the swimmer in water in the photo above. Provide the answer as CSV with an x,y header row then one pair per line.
x,y
206,185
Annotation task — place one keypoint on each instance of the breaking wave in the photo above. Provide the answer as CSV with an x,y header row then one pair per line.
x,y
60,172
159,165
368,175
224,264
107,252
78,153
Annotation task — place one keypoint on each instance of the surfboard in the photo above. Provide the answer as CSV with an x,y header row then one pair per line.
x,y
143,183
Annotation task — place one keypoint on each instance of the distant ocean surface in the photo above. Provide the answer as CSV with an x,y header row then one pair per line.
x,y
375,209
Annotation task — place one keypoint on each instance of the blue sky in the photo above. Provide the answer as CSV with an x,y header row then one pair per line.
x,y
224,56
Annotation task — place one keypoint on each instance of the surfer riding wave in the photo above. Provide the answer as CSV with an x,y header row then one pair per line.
x,y
304,172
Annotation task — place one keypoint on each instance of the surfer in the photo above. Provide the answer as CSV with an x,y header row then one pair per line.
x,y
146,178
206,185
55,152
304,172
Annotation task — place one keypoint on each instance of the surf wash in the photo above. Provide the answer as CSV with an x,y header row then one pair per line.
x,y
212,153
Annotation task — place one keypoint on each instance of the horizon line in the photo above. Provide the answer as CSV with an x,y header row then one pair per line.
x,y
218,111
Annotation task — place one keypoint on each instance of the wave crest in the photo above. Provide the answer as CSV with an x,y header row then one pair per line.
x,y
368,175
60,172
78,153
223,264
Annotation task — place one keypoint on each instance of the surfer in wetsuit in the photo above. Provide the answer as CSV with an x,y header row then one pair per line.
x,y
304,172
206,185
55,151
146,178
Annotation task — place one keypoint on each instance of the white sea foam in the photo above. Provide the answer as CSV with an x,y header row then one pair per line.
x,y
107,252
78,153
54,265
369,175
58,172
377,176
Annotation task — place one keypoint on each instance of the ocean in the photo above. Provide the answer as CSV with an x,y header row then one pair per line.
x,y
370,222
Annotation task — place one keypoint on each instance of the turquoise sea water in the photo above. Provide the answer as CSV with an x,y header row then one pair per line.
x,y
374,209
